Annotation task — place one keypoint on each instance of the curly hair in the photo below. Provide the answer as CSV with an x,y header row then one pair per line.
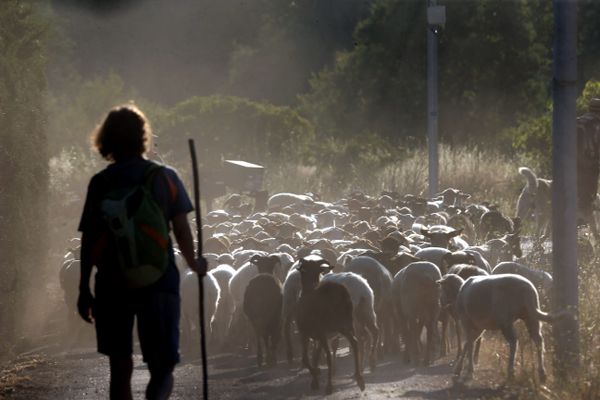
x,y
125,133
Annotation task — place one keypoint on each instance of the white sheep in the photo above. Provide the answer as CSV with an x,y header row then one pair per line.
x,y
542,280
224,310
496,302
363,301
380,280
416,299
190,305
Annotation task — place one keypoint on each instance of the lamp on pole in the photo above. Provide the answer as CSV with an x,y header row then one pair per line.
x,y
436,17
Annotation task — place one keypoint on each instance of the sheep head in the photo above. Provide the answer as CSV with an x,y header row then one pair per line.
x,y
440,239
311,267
265,264
450,284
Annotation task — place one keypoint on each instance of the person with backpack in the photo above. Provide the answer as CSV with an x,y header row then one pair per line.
x,y
130,208
588,163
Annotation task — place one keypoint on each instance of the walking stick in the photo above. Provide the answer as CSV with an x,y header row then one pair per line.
x,y
198,255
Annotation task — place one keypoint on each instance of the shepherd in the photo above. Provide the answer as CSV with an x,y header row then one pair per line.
x,y
130,209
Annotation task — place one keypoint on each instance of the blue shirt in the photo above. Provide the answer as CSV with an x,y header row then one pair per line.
x,y
169,193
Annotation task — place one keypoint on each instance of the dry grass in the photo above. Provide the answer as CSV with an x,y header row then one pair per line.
x,y
16,374
485,174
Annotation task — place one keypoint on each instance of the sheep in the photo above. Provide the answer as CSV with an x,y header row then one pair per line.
x,y
190,304
324,308
239,282
291,293
467,270
280,201
416,298
502,249
434,255
496,302
535,199
493,224
542,280
440,236
457,257
222,316
462,221
262,306
363,302
380,280
480,261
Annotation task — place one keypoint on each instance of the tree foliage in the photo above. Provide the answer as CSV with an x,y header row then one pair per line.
x,y
232,127
493,62
23,155
533,136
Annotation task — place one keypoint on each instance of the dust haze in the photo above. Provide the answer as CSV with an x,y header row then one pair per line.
x,y
328,95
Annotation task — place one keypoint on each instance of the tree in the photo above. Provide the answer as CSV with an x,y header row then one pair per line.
x,y
232,127
23,155
494,66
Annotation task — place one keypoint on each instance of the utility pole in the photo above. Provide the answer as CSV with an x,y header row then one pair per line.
x,y
436,17
564,186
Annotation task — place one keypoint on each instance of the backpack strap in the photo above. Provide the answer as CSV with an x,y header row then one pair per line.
x,y
150,173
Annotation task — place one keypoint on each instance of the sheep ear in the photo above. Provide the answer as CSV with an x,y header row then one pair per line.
x,y
456,232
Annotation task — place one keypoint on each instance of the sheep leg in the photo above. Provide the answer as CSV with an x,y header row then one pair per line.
x,y
533,326
458,338
335,344
325,346
432,336
374,333
361,337
473,335
406,340
259,353
288,341
269,349
445,346
354,346
305,362
418,345
316,356
460,358
511,337
477,346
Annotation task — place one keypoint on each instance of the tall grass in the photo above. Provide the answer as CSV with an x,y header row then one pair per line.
x,y
484,173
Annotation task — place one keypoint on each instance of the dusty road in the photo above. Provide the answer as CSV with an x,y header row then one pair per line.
x,y
80,373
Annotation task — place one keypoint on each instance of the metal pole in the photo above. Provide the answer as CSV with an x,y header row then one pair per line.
x,y
564,186
432,104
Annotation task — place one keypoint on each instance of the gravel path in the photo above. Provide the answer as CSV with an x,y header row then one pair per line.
x,y
82,374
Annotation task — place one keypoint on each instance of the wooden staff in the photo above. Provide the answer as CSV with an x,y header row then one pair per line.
x,y
199,255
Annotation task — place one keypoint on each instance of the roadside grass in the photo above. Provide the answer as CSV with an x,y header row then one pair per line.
x,y
15,374
485,174
579,385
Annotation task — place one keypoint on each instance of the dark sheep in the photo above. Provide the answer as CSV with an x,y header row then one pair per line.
x,y
324,308
262,305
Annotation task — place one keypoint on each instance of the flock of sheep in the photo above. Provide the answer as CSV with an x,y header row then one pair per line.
x,y
375,271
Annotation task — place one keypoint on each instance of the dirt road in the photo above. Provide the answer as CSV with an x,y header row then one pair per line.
x,y
82,374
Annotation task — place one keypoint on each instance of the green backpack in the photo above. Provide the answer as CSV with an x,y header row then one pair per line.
x,y
139,231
